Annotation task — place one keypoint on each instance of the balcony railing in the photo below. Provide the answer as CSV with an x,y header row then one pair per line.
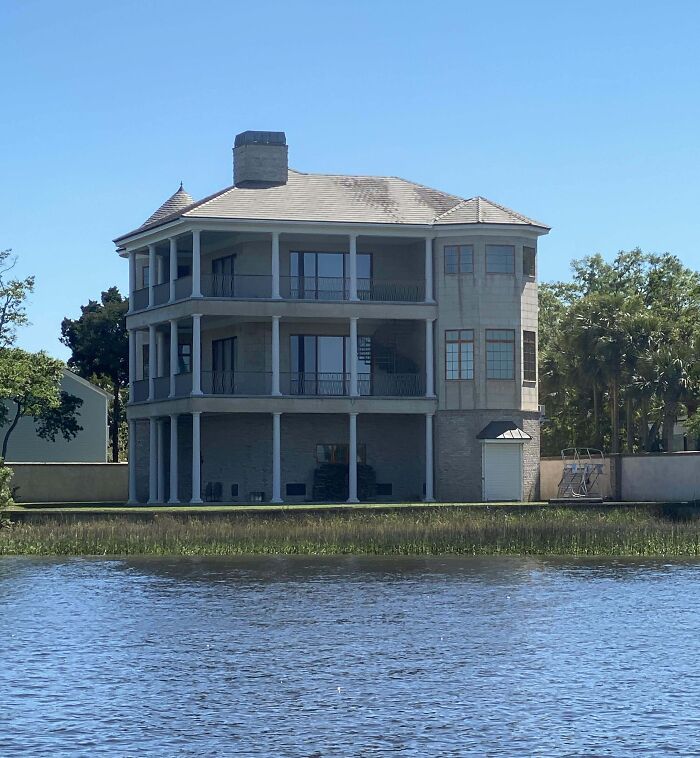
x,y
183,287
391,385
314,288
183,384
391,290
237,286
161,293
140,391
236,383
139,299
161,387
317,384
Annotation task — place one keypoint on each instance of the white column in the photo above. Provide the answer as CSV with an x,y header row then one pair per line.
x,y
196,459
160,353
151,274
276,459
353,266
132,363
161,461
152,460
132,463
353,357
429,270
173,460
197,354
132,278
196,264
173,355
352,460
429,484
276,355
429,359
276,265
173,267
151,361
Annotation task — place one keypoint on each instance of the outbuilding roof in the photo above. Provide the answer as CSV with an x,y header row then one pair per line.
x,y
502,430
338,198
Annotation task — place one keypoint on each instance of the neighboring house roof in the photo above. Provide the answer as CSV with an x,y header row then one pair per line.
x,y
502,430
338,198
68,374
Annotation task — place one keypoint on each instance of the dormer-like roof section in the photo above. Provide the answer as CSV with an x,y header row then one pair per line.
x,y
339,199
172,206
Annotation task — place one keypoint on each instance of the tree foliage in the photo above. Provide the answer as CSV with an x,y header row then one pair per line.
x,y
100,351
618,348
30,386
13,296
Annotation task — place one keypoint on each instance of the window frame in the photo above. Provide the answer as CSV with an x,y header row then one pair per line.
x,y
338,446
460,342
458,259
493,341
499,273
533,273
532,377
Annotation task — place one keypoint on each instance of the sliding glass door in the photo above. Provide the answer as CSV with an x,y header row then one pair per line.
x,y
320,365
324,276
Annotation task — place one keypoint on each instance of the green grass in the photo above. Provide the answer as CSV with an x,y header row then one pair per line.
x,y
599,531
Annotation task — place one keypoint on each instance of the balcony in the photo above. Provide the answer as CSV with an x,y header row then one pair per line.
x,y
241,286
236,383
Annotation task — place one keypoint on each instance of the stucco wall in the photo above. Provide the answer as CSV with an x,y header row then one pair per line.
x,y
70,482
661,477
91,443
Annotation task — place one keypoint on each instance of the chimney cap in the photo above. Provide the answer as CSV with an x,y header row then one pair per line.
x,y
260,138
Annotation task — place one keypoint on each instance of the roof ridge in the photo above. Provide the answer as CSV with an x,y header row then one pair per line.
x,y
454,208
505,208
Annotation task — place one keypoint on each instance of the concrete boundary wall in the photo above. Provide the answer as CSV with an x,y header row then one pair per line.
x,y
647,477
70,482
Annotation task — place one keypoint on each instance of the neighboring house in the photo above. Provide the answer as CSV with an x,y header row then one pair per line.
x,y
89,446
297,320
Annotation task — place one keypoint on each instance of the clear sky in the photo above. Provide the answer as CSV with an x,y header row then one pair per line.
x,y
582,115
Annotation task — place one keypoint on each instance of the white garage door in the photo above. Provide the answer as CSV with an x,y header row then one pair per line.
x,y
502,471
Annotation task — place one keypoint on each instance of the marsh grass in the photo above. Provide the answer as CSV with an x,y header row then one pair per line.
x,y
603,531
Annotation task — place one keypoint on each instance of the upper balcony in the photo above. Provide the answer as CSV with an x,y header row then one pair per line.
x,y
236,266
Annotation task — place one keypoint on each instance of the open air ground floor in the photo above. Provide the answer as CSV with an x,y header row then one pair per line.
x,y
297,458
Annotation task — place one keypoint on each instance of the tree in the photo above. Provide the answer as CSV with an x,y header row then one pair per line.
x,y
13,294
100,350
626,333
30,386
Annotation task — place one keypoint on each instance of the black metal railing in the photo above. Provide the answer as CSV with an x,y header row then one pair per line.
x,y
315,287
236,382
315,384
242,286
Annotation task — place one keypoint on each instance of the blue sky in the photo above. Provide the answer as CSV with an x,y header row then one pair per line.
x,y
582,115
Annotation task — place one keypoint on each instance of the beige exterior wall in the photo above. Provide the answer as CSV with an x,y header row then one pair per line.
x,y
91,443
70,482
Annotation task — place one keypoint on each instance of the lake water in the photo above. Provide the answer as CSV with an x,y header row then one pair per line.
x,y
348,657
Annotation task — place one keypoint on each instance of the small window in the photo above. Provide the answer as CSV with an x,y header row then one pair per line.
x,y
500,354
145,363
529,356
529,258
296,489
385,490
500,259
146,276
234,491
184,358
338,453
459,354
459,259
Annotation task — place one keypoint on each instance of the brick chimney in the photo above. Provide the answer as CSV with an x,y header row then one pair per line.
x,y
260,159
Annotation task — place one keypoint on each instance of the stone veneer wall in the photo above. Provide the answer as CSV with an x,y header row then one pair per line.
x,y
458,453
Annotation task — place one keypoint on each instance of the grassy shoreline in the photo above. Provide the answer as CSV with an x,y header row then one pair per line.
x,y
600,531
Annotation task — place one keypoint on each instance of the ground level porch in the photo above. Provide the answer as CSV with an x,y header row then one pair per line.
x,y
281,457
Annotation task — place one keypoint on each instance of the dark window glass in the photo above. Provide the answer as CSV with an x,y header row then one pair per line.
x,y
146,276
144,362
338,453
529,261
529,356
459,259
500,259
223,354
184,358
234,490
183,269
459,354
296,489
385,489
500,354
223,266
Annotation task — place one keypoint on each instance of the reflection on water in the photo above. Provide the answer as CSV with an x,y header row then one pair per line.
x,y
348,656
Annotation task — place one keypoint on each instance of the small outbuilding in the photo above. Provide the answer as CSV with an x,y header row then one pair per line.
x,y
502,460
